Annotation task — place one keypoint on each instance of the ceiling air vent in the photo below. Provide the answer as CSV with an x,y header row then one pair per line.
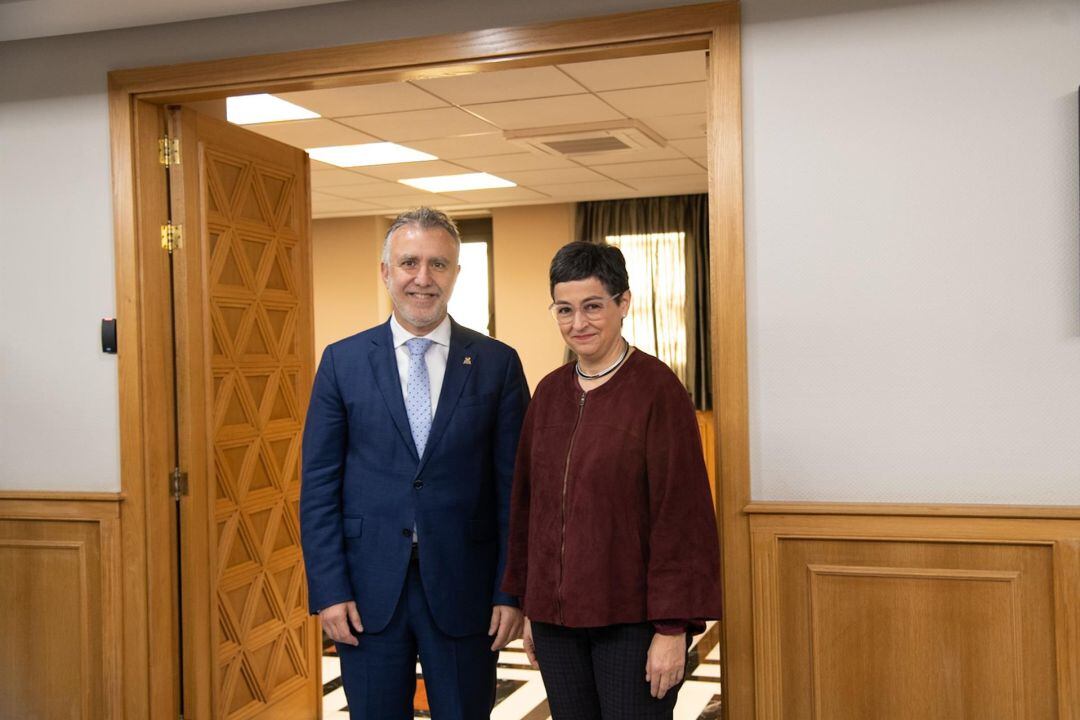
x,y
587,138
586,145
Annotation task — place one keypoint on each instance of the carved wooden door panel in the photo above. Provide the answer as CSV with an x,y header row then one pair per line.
x,y
242,289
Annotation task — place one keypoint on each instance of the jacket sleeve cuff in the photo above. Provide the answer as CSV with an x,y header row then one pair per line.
x,y
511,585
501,598
316,607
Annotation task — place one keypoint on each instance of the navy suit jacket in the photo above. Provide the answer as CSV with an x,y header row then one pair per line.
x,y
364,487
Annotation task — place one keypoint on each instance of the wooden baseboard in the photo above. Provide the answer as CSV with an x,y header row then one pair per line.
x,y
1048,512
60,631
899,615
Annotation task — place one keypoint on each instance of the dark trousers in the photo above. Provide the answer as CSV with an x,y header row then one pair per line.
x,y
379,674
599,673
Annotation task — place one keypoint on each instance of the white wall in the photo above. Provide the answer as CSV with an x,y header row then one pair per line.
x,y
58,394
911,217
911,214
58,391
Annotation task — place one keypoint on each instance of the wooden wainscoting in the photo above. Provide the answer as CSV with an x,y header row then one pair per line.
x,y
60,594
900,615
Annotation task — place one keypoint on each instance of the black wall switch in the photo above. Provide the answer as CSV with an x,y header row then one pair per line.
x,y
108,335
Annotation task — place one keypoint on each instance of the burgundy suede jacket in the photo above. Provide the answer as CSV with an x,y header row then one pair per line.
x,y
611,518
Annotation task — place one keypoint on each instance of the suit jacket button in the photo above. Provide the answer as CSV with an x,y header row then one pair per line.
x,y
418,484
406,532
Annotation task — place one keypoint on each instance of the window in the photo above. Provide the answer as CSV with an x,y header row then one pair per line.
x,y
656,264
470,305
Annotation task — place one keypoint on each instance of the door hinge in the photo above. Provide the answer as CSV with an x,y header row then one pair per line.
x,y
171,237
179,484
169,151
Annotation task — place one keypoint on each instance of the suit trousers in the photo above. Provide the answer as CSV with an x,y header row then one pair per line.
x,y
599,673
379,674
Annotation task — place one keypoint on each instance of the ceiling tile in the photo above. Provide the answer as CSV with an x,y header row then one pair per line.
x,y
363,99
551,177
697,148
497,86
678,127
579,191
513,194
209,108
673,99
428,168
382,188
656,168
339,177
622,156
672,185
640,71
586,196
518,162
543,112
419,124
461,146
311,133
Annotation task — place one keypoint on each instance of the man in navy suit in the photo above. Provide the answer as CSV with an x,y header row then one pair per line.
x,y
408,458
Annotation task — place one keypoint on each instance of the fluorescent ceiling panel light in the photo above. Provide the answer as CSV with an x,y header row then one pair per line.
x,y
383,153
458,183
249,109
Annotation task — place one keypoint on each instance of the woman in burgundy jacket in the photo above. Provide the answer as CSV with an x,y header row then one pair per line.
x,y
613,545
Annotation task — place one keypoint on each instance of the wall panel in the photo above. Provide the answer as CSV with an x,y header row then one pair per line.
x,y
911,255
914,616
60,625
707,427
526,238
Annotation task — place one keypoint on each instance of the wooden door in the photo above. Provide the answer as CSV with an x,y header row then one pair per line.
x,y
244,347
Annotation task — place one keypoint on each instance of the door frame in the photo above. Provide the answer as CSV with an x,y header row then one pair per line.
x,y
143,301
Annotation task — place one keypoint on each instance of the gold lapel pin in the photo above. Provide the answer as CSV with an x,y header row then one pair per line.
x,y
467,360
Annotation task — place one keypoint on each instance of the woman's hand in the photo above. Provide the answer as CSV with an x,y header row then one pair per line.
x,y
527,641
665,663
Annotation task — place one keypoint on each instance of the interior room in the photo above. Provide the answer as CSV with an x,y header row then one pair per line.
x,y
554,136
893,319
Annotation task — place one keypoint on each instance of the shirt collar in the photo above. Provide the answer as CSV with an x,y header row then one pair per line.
x,y
440,335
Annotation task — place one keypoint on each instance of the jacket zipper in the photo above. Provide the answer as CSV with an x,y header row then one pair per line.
x,y
562,511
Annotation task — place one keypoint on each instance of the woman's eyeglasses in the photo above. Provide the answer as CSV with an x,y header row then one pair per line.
x,y
592,309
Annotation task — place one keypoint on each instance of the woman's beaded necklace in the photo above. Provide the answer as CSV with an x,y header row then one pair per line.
x,y
606,371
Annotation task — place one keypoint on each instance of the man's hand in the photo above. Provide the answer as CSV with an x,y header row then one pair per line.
x,y
505,625
336,619
665,663
530,648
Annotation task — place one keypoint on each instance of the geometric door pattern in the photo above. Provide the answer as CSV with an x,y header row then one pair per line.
x,y
258,319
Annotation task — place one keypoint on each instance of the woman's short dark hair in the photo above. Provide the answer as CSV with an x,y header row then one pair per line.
x,y
582,260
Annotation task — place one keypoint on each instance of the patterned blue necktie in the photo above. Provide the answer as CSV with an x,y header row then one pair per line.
x,y
418,405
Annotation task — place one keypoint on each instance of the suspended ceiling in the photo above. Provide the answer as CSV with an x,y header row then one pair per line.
x,y
461,120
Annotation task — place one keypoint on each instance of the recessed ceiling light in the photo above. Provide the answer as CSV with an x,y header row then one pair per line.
x,y
383,153
248,109
458,183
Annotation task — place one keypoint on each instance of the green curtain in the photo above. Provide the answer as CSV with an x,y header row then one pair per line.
x,y
688,214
